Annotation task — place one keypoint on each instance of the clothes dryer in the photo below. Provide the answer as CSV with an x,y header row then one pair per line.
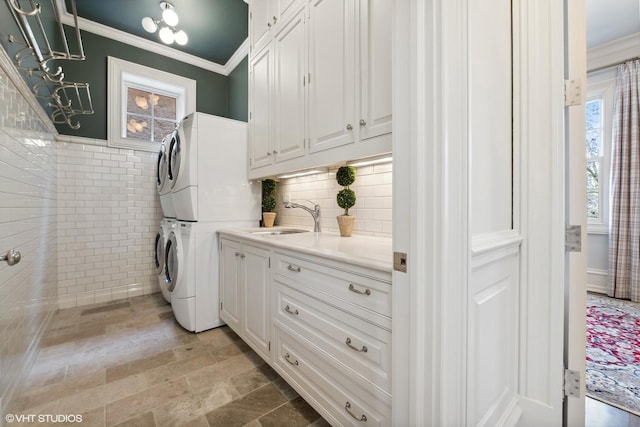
x,y
163,183
191,272
162,236
208,170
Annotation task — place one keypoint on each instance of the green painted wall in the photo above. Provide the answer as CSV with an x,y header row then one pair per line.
x,y
212,88
239,91
216,94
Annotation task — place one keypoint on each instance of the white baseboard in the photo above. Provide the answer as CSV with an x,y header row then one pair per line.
x,y
597,280
105,295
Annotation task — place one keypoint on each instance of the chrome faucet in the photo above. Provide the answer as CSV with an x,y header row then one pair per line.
x,y
315,213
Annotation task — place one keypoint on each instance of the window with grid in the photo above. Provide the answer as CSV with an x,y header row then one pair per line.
x,y
145,104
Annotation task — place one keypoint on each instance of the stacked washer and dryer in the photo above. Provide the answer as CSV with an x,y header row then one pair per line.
x,y
202,182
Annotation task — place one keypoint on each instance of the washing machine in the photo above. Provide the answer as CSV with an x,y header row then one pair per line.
x,y
163,183
191,272
207,170
162,236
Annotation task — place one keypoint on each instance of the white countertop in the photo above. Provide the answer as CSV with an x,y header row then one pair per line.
x,y
365,251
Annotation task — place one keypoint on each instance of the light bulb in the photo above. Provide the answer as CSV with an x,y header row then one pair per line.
x,y
170,17
166,35
149,24
181,38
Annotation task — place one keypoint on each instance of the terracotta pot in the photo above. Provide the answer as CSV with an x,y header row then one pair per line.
x,y
345,223
268,218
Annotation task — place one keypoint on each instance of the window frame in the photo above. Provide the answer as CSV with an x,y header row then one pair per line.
x,y
602,85
122,75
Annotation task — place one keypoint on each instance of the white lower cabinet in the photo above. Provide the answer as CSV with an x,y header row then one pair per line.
x,y
245,293
327,325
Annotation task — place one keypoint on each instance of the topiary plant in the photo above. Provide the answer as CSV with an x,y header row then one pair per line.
x,y
269,187
346,198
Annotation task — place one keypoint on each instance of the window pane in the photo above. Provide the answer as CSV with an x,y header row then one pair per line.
x,y
594,127
165,107
593,190
138,101
138,127
161,128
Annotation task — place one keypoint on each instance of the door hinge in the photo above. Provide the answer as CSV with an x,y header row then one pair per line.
x,y
572,92
269,262
304,81
309,78
571,383
573,238
220,305
269,345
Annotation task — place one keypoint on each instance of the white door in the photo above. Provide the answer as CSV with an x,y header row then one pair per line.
x,y
575,208
259,22
432,218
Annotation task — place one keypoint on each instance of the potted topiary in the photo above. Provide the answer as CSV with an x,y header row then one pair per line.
x,y
346,198
268,202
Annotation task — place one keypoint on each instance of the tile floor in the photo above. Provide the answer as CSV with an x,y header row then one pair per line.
x,y
130,364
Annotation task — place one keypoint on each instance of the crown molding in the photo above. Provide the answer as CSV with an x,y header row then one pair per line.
x,y
158,48
613,52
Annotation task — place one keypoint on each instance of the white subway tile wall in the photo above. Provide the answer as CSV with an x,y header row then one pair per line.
x,y
28,290
108,216
373,200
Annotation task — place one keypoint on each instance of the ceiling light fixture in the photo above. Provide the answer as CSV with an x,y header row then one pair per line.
x,y
167,25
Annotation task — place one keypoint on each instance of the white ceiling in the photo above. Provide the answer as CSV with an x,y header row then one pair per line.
x,y
609,20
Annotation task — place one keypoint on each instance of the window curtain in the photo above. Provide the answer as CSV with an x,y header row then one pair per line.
x,y
624,225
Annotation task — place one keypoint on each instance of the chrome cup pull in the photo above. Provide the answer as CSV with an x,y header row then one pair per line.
x,y
364,348
357,291
295,269
347,408
288,310
287,357
12,257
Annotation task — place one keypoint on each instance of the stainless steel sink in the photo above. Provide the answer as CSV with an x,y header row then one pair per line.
x,y
280,231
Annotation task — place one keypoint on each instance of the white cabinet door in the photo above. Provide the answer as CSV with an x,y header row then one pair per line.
x,y
257,299
375,68
259,22
332,90
289,96
260,109
230,279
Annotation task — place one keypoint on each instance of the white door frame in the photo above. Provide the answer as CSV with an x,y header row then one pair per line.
x,y
431,211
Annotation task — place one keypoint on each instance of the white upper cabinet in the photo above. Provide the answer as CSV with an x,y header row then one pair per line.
x,y
260,109
265,17
328,83
332,60
375,68
290,72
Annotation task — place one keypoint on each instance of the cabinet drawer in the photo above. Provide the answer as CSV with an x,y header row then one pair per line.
x,y
333,285
327,385
356,343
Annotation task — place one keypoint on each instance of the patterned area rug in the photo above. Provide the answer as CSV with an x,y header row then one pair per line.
x,y
613,352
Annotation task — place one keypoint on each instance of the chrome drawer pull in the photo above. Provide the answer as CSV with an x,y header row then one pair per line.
x,y
364,348
287,356
288,309
295,269
347,407
357,291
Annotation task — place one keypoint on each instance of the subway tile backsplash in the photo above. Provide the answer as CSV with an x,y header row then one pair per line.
x,y
373,206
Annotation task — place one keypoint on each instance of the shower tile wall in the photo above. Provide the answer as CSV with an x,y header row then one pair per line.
x,y
28,291
373,200
108,215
